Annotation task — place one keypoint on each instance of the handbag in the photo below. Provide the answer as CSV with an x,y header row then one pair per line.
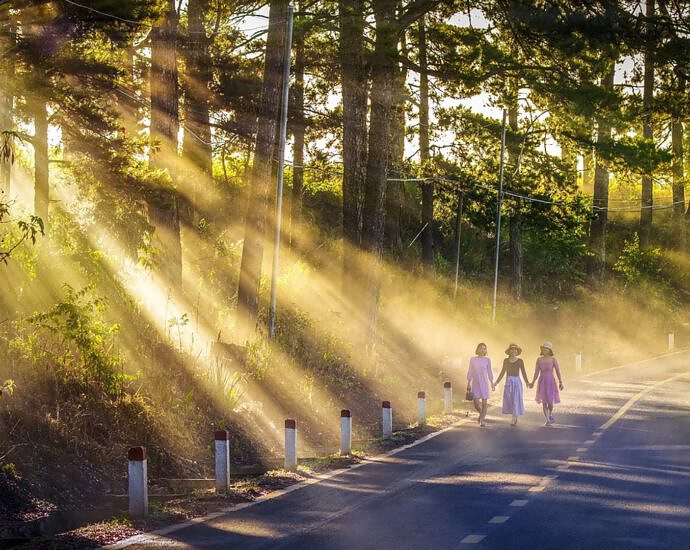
x,y
468,393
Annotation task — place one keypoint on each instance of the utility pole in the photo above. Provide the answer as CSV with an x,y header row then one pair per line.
x,y
498,215
281,170
458,229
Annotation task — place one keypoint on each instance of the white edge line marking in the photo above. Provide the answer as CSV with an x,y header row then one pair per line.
x,y
634,363
144,537
634,399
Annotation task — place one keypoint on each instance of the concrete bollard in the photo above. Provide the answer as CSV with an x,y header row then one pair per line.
x,y
290,444
578,361
345,432
387,417
447,398
222,448
421,408
138,482
671,341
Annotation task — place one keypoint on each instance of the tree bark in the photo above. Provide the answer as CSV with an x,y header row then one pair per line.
x,y
597,230
41,171
569,158
396,156
515,222
354,91
197,135
647,130
7,102
678,170
588,162
298,132
260,174
424,155
383,74
163,204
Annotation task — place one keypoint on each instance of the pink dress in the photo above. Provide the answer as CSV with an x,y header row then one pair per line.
x,y
547,388
479,375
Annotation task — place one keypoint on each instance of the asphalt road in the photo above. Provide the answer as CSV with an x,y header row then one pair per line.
x,y
613,472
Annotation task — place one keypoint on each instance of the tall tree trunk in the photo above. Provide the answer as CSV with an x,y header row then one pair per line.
x,y
354,90
588,167
260,175
597,230
163,204
298,131
197,135
424,155
647,130
515,223
569,158
7,71
41,171
396,156
383,74
678,171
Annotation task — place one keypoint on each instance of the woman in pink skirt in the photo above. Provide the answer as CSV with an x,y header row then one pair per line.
x,y
480,377
547,391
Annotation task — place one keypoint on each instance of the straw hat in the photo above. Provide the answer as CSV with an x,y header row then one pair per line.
x,y
513,345
547,345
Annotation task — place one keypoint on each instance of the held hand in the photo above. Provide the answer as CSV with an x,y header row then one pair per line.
x,y
560,386
493,386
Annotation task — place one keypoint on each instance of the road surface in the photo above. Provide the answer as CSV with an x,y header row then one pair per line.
x,y
613,472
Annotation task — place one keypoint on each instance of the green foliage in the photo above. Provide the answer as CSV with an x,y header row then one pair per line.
x,y
636,263
74,343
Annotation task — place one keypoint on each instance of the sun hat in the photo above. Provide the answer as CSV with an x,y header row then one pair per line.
x,y
548,345
514,345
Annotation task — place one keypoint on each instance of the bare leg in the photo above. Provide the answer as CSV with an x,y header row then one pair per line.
x,y
545,408
515,419
477,406
482,414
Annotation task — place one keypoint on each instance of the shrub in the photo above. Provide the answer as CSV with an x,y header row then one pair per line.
x,y
74,342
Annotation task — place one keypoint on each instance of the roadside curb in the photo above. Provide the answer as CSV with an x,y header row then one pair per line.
x,y
145,537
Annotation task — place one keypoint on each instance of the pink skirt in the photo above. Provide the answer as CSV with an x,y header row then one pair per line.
x,y
547,389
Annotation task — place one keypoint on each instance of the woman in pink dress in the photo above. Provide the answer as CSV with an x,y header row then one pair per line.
x,y
547,391
480,377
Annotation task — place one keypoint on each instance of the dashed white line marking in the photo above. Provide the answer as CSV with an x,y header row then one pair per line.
x,y
519,502
589,442
536,489
581,449
563,467
573,458
472,539
499,519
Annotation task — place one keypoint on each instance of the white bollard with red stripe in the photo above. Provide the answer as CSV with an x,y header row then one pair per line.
x,y
290,444
447,398
387,418
578,361
138,482
421,408
222,449
345,432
